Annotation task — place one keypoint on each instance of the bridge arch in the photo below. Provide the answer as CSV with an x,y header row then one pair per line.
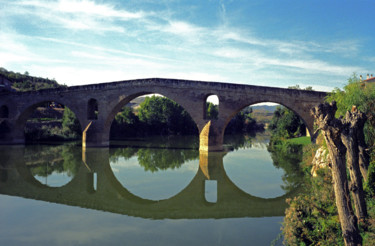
x,y
25,114
211,100
301,111
121,99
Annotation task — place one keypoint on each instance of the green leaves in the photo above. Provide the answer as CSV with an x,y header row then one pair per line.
x,y
358,94
156,116
286,124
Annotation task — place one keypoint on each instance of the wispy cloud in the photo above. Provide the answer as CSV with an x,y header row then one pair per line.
x,y
78,15
121,42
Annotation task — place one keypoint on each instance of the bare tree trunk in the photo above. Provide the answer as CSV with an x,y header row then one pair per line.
x,y
364,158
349,136
331,128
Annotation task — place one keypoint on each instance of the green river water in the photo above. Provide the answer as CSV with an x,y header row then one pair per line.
x,y
155,191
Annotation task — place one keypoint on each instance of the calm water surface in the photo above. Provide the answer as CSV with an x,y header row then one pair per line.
x,y
144,192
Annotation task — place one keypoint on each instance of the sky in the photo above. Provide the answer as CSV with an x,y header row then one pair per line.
x,y
277,43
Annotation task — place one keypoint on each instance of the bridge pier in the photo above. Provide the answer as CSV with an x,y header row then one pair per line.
x,y
211,137
94,136
211,164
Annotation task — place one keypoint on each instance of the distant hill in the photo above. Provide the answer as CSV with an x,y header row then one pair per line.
x,y
263,113
25,82
268,108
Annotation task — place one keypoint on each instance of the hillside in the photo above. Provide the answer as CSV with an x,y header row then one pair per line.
x,y
263,113
24,82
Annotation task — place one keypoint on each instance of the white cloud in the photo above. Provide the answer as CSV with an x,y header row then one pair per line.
x,y
94,9
145,44
78,15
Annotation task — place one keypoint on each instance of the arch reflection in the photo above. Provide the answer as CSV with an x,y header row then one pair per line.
x,y
53,166
106,193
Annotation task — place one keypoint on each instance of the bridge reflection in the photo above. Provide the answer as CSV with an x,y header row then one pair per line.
x,y
106,193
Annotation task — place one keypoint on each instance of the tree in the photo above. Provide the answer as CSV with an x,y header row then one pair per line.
x,y
332,128
243,122
126,124
70,123
363,97
212,112
286,124
161,115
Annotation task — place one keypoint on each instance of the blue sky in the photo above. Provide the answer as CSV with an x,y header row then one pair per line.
x,y
272,43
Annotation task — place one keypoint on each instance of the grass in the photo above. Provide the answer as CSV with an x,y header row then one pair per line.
x,y
301,140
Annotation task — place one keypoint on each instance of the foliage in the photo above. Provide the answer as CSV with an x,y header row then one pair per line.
x,y
117,153
153,160
162,159
363,97
243,122
45,132
59,159
286,124
70,124
369,235
212,111
301,141
51,129
25,82
312,217
370,185
126,124
156,116
297,87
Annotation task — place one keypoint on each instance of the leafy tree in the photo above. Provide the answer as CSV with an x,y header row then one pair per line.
x,y
212,112
126,124
242,122
161,115
360,95
286,124
126,116
70,123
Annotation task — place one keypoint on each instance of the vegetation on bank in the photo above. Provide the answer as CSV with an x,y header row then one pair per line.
x,y
161,116
155,116
53,128
285,124
312,218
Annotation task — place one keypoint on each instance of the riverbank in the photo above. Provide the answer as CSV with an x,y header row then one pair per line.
x,y
312,216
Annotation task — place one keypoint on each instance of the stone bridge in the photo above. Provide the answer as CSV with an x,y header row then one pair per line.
x,y
96,106
108,194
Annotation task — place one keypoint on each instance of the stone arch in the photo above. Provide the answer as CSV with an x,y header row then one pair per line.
x,y
205,106
25,114
92,109
302,111
121,101
4,112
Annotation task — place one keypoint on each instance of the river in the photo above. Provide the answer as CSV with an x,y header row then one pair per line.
x,y
155,191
